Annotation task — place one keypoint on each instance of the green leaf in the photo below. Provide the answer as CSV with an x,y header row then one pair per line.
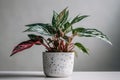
x,y
44,29
54,19
81,47
65,17
34,37
61,14
62,17
78,18
67,27
82,32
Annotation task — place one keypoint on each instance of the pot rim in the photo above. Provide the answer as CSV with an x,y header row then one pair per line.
x,y
58,52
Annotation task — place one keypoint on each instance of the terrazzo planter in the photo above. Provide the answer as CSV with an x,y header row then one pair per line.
x,y
58,64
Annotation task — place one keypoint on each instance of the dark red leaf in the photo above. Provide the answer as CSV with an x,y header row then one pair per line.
x,y
22,46
37,42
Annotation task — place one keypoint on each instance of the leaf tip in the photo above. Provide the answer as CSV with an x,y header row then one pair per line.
x,y
11,55
110,43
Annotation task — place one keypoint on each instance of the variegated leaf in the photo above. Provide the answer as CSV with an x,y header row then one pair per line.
x,y
82,32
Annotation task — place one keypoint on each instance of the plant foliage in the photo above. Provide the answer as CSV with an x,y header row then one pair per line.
x,y
57,31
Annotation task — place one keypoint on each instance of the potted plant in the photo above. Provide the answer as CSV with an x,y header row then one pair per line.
x,y
58,59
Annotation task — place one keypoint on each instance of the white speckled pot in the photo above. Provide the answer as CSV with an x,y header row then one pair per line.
x,y
58,64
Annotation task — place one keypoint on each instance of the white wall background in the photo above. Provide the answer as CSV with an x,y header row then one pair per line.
x,y
105,16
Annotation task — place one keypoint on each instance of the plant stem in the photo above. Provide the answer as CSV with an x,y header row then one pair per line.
x,y
47,43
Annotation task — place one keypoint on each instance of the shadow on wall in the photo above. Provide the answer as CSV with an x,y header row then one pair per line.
x,y
114,63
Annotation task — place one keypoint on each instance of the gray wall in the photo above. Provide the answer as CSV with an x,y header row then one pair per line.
x,y
105,16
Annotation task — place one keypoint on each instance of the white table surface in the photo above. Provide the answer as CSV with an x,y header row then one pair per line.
x,y
32,75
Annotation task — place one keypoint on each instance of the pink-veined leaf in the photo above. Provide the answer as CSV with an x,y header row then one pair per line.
x,y
22,46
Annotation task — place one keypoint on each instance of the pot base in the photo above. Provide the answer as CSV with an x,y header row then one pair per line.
x,y
58,75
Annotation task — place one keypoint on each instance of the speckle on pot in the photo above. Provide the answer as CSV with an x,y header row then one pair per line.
x,y
58,63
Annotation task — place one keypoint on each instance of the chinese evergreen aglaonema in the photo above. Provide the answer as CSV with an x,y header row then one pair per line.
x,y
57,30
